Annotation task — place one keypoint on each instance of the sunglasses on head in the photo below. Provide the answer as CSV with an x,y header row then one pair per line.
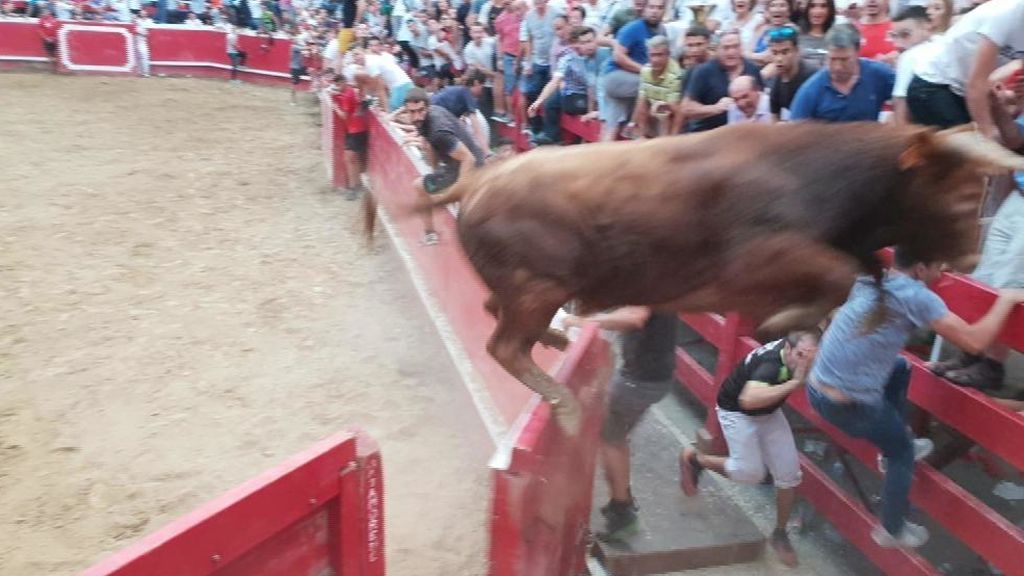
x,y
781,33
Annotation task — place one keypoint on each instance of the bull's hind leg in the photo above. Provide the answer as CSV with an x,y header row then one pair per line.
x,y
551,338
523,321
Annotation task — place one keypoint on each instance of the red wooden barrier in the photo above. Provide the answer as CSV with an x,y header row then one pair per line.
x,y
972,413
543,482
319,512
109,48
448,280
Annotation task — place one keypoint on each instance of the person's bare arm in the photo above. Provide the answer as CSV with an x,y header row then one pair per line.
x,y
621,319
756,395
678,118
640,113
623,60
973,338
1011,133
985,60
554,84
464,157
900,112
696,111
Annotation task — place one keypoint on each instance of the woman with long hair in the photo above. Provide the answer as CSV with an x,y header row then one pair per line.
x,y
777,15
815,22
746,21
940,13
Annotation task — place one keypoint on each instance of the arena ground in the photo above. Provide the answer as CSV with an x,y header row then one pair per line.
x,y
184,304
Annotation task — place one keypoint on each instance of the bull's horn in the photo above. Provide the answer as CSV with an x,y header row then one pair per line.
x,y
980,149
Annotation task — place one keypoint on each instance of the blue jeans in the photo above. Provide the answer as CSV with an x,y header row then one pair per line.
x,y
883,425
553,116
533,85
510,72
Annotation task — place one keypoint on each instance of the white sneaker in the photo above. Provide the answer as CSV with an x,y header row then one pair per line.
x,y
922,448
911,536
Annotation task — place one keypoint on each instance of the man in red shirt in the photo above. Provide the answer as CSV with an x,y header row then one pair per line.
x,y
48,26
874,29
354,111
507,28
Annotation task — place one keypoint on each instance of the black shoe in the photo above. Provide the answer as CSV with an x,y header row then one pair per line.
x,y
984,375
958,362
620,521
779,541
689,471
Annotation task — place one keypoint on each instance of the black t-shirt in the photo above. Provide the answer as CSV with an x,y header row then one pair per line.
x,y
783,91
348,13
709,83
458,100
444,132
492,17
762,365
649,354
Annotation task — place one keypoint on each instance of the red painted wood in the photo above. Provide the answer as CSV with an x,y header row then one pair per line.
x,y
282,507
993,537
711,327
450,278
542,495
855,523
588,130
971,412
20,38
695,378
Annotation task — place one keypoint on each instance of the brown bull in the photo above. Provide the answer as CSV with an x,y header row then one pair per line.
x,y
769,221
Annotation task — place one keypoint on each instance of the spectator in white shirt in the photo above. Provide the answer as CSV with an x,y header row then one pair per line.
x,y
749,104
911,32
391,81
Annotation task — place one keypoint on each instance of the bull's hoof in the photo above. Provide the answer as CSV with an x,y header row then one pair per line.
x,y
568,414
555,339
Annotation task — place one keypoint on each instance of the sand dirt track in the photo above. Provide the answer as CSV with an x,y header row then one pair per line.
x,y
184,304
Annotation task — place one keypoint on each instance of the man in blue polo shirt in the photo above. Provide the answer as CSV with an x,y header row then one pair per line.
x,y
622,76
850,88
706,100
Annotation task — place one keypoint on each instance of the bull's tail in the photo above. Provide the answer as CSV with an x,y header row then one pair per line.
x,y
369,215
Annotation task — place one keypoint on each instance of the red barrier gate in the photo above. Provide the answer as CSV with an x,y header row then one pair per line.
x,y
110,48
543,481
320,512
970,412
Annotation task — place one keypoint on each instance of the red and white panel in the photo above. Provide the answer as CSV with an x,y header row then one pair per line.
x,y
86,48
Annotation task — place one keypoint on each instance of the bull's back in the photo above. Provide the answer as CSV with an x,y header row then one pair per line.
x,y
672,210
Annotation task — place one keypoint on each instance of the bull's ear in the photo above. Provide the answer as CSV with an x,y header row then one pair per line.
x,y
918,150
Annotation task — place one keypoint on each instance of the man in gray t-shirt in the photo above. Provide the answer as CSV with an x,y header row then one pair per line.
x,y
536,34
859,381
445,139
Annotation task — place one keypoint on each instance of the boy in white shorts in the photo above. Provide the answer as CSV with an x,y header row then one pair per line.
x,y
756,430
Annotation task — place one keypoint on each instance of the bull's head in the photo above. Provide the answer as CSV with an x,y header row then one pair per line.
x,y
946,189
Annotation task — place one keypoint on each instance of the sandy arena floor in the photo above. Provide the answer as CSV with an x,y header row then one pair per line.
x,y
184,304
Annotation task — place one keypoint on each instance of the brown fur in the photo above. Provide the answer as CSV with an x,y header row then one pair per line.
x,y
754,219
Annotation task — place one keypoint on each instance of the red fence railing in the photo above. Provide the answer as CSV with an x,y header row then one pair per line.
x,y
543,481
970,412
321,512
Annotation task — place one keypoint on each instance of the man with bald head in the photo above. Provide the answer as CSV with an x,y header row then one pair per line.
x,y
706,102
749,104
